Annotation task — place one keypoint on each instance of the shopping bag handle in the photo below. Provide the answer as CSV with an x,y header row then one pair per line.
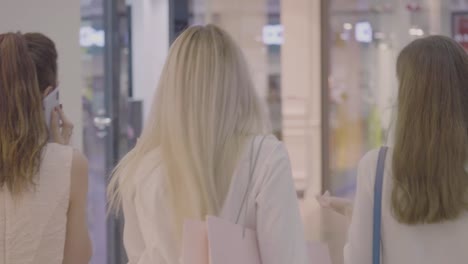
x,y
252,167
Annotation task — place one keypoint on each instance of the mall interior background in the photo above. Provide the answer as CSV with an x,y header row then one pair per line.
x,y
325,69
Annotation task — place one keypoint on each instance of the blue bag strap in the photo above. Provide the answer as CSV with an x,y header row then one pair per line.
x,y
377,223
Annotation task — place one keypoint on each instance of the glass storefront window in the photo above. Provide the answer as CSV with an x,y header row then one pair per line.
x,y
92,42
362,97
104,40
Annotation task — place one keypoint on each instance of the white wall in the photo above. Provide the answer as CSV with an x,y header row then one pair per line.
x,y
60,20
150,33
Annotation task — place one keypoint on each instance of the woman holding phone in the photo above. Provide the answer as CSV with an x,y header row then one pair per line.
x,y
43,181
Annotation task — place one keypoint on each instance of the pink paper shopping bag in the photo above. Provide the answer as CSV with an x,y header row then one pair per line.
x,y
218,241
318,253
230,243
195,243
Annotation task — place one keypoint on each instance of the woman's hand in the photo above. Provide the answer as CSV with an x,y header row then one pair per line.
x,y
61,129
339,205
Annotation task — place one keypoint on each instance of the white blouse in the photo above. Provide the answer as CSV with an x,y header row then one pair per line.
x,y
440,243
272,204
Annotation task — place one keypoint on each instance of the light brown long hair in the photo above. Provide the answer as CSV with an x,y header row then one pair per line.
x,y
431,148
44,55
23,132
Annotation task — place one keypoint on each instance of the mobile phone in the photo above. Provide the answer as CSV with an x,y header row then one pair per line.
x,y
50,103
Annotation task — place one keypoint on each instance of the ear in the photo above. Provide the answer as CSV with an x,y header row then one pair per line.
x,y
47,91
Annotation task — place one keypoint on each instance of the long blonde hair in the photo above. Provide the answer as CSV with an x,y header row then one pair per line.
x,y
431,147
204,109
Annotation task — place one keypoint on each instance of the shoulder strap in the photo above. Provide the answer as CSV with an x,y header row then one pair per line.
x,y
377,223
252,165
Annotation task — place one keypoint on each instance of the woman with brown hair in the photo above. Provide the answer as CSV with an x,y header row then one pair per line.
x,y
425,182
43,186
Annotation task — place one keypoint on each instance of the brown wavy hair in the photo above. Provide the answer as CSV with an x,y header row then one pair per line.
x,y
44,55
23,132
431,148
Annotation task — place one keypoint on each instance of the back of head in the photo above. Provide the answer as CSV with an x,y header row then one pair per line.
x,y
23,132
431,148
204,110
44,54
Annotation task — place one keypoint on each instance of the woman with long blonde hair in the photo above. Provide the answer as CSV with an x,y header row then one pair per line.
x,y
425,183
192,158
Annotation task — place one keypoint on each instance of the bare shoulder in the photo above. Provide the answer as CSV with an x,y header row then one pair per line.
x,y
79,175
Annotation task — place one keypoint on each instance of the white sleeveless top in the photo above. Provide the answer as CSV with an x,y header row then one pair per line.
x,y
33,228
273,209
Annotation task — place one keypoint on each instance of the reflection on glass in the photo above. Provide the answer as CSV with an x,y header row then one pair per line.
x,y
370,34
355,92
92,59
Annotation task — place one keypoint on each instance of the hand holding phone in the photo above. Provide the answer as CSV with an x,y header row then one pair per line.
x,y
59,126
